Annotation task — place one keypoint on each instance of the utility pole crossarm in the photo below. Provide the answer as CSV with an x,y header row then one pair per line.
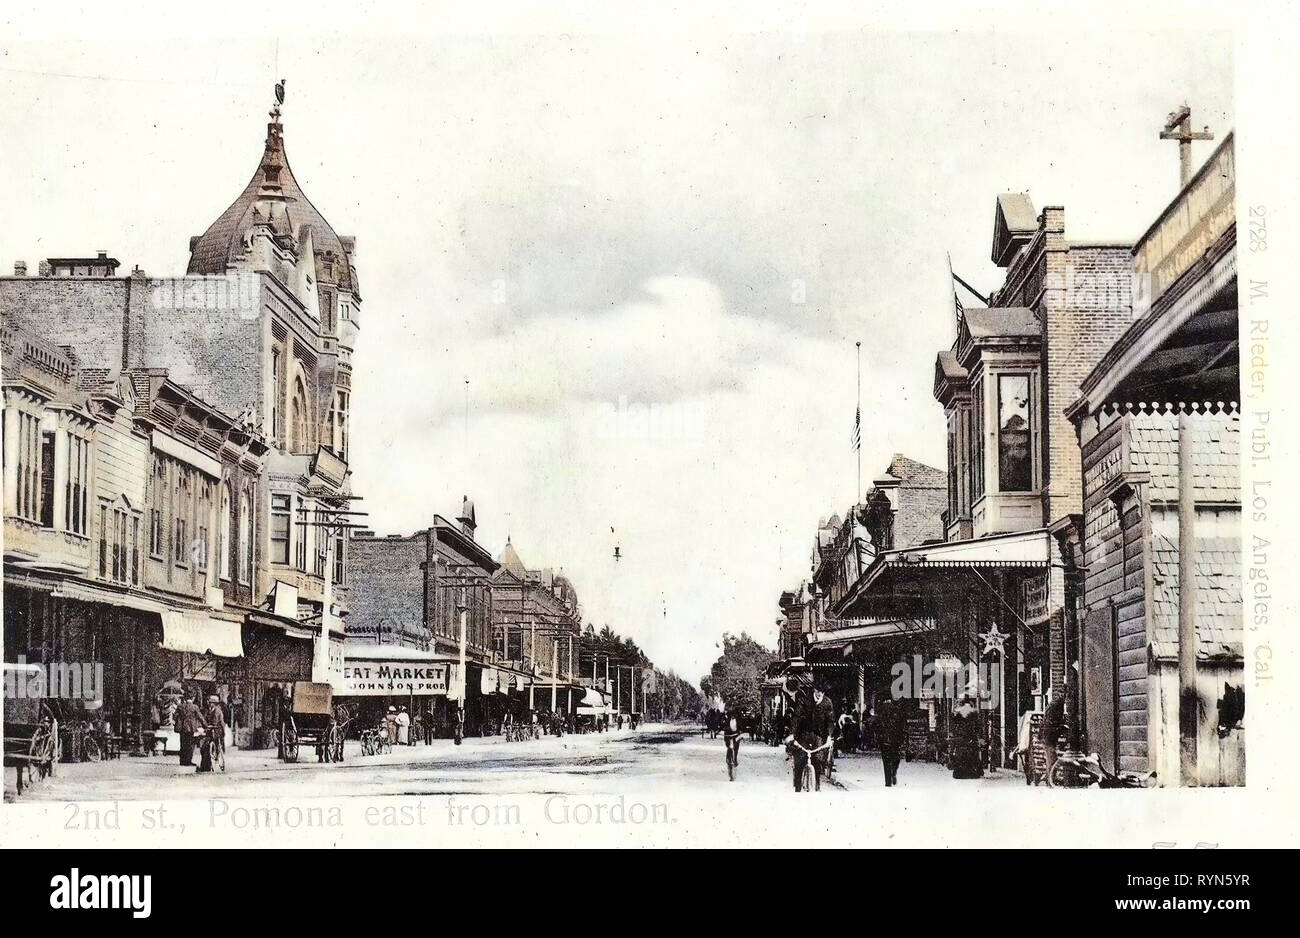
x,y
1178,127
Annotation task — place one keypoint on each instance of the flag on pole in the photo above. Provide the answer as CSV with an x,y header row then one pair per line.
x,y
857,429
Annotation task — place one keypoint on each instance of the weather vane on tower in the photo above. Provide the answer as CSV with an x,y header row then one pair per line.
x,y
279,100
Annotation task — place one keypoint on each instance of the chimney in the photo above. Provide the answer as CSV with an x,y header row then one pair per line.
x,y
20,268
467,521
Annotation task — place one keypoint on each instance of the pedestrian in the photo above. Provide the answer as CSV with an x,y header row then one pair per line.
x,y
460,723
403,724
812,726
390,725
188,720
966,738
1053,725
889,731
1024,741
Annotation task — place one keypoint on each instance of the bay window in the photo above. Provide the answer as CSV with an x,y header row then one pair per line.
x,y
1015,449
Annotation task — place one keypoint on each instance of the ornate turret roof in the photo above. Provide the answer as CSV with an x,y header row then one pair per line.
x,y
509,559
273,197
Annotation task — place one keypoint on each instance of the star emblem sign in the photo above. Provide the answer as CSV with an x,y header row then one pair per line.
x,y
993,640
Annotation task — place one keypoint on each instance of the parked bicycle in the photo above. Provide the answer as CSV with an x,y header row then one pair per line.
x,y
1083,770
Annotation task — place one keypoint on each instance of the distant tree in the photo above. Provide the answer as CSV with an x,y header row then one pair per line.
x,y
737,675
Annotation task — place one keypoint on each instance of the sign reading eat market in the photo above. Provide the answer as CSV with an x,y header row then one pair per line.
x,y
382,678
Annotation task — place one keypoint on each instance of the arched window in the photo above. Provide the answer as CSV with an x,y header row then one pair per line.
x,y
339,424
299,440
245,538
223,525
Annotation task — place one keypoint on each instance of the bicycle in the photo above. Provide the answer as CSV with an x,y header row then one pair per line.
x,y
212,747
733,754
806,777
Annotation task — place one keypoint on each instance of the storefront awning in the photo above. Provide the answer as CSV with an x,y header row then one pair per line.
x,y
845,637
909,580
201,634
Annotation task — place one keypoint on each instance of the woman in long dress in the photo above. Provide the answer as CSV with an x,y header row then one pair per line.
x,y
966,740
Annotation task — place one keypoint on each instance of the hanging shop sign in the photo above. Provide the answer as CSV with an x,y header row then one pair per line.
x,y
383,678
1034,594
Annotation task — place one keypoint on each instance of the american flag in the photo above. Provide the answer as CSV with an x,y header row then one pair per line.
x,y
857,429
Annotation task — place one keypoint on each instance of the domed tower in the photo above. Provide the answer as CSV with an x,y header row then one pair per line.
x,y
273,227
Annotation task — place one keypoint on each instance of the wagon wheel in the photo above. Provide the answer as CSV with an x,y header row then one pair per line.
x,y
42,754
290,743
91,750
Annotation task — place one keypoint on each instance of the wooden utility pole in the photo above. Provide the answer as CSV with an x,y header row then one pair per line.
x,y
1188,701
1179,127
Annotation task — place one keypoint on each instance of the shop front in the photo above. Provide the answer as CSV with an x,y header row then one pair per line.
x,y
972,621
376,677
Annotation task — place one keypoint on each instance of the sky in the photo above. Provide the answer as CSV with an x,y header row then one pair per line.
x,y
650,255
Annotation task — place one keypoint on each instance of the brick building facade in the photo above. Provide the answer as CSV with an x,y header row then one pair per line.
x,y
259,332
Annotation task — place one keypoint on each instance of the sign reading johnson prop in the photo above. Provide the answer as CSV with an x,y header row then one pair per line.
x,y
397,678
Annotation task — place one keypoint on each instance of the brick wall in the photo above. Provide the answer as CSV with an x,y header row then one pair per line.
x,y
1087,306
116,322
215,352
919,515
386,584
85,314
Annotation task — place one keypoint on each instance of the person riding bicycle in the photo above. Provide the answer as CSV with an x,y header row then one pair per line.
x,y
813,725
731,729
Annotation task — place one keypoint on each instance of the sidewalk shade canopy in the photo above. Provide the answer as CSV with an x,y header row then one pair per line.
x,y
844,638
917,580
200,634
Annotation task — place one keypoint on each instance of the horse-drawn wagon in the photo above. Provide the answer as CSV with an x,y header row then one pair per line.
x,y
310,721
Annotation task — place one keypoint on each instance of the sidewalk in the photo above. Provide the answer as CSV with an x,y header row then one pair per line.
x,y
78,778
861,771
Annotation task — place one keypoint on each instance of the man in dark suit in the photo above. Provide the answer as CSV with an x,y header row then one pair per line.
x,y
889,733
188,720
812,726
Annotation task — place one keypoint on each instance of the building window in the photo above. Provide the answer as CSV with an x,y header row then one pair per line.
x,y
119,546
321,544
47,479
103,541
77,489
155,533
953,442
135,551
1015,462
226,532
181,508
338,561
977,442
300,549
299,440
201,547
275,394
245,539
280,528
